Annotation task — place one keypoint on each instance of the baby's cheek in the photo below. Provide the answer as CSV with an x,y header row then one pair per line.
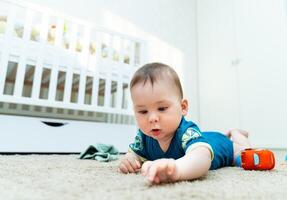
x,y
173,124
143,126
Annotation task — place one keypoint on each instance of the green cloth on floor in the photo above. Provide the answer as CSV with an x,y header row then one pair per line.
x,y
100,152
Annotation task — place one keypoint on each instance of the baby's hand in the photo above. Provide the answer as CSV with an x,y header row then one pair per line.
x,y
129,164
160,171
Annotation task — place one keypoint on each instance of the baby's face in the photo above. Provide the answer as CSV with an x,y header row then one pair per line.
x,y
158,108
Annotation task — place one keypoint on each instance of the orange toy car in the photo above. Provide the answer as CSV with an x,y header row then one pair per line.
x,y
257,159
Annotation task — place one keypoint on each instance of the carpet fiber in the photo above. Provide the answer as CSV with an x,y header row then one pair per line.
x,y
65,177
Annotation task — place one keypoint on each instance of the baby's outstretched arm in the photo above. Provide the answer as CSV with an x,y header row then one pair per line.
x,y
130,163
194,164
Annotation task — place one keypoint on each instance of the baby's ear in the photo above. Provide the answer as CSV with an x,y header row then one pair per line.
x,y
184,107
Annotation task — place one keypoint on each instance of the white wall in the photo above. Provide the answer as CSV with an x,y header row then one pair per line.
x,y
167,25
242,67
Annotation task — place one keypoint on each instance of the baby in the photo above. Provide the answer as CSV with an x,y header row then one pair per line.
x,y
168,148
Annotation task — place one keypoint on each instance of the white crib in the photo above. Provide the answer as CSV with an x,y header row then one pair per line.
x,y
63,81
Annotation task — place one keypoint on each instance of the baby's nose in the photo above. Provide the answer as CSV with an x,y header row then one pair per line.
x,y
153,117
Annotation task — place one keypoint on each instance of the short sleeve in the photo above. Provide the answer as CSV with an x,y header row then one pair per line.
x,y
137,147
192,138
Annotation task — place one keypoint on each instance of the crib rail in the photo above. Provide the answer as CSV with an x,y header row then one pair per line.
x,y
52,60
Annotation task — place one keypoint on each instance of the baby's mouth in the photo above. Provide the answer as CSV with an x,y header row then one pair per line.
x,y
155,131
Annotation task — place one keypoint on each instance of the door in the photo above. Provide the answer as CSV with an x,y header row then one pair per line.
x,y
261,37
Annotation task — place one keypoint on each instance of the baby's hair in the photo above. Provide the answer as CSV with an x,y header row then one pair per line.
x,y
153,72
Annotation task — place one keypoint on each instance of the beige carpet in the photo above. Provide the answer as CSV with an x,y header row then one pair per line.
x,y
67,178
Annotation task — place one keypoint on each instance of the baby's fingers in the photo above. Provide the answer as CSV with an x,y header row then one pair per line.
x,y
135,164
123,168
126,166
154,171
145,167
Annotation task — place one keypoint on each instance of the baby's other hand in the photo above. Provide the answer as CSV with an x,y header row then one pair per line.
x,y
129,164
160,171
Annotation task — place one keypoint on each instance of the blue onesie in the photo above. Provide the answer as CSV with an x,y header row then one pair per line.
x,y
187,137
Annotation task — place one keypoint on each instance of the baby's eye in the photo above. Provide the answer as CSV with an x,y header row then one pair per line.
x,y
142,112
162,108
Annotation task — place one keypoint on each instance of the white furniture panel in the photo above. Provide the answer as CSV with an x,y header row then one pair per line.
x,y
29,134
